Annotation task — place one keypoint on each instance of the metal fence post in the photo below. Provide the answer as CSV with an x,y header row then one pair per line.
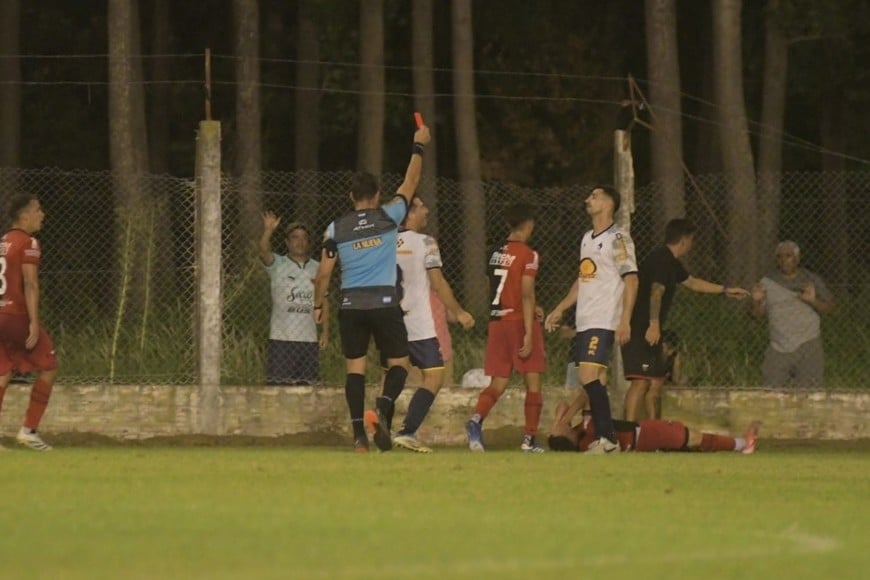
x,y
623,180
208,277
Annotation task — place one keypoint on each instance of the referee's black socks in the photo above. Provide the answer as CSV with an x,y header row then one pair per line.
x,y
394,383
355,394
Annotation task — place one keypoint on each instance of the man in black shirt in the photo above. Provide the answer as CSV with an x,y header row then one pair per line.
x,y
659,275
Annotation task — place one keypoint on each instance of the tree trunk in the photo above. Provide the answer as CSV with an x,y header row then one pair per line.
x,y
246,15
370,141
307,114
666,141
422,55
741,254
468,159
10,87
834,203
159,102
772,120
128,155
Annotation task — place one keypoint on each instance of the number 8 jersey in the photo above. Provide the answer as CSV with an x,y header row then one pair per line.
x,y
16,248
507,265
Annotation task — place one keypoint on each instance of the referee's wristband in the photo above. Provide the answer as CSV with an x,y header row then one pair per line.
x,y
724,289
418,149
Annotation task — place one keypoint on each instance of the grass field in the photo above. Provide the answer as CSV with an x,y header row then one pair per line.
x,y
316,512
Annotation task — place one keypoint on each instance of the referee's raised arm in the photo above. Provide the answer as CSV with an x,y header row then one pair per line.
x,y
415,166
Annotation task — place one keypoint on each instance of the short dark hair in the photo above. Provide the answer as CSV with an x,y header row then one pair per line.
x,y
364,186
677,229
612,194
18,203
517,213
293,226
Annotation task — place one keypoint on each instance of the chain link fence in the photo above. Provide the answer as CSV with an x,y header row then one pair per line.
x,y
118,291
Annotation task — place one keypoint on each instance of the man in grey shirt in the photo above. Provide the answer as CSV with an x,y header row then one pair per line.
x,y
792,298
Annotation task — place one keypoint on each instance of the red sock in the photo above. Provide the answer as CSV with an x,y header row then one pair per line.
x,y
2,392
39,395
533,406
711,442
486,401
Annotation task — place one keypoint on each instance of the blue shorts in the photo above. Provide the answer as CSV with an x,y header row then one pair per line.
x,y
292,363
425,354
593,346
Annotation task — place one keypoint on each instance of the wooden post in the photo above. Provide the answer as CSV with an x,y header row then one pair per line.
x,y
208,277
623,180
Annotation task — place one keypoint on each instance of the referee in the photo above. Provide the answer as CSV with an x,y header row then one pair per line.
x,y
364,240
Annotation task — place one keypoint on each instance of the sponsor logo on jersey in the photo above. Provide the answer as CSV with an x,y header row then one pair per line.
x,y
370,243
588,269
502,259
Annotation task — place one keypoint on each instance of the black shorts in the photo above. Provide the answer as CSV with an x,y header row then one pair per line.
x,y
640,360
387,325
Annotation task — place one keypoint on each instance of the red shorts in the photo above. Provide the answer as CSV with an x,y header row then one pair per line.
x,y
658,435
503,342
14,329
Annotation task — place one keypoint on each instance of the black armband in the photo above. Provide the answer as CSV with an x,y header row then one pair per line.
x,y
331,248
418,149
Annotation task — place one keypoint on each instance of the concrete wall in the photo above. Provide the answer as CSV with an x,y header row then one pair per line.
x,y
138,412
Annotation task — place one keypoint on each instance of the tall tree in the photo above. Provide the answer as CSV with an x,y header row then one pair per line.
x,y
159,100
772,121
666,141
128,154
248,154
307,112
370,139
468,158
423,58
10,87
742,252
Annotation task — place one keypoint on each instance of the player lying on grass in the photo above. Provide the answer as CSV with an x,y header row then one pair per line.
x,y
646,435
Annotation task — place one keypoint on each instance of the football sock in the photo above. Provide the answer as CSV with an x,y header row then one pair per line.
x,y
418,408
355,392
485,402
533,405
39,395
394,384
2,393
712,442
599,403
739,444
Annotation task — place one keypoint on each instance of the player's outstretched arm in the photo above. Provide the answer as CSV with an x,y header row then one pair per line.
x,y
415,166
705,287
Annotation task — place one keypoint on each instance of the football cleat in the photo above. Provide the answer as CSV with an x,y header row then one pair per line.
x,y
361,445
383,438
29,438
474,434
603,446
370,420
751,436
529,445
411,443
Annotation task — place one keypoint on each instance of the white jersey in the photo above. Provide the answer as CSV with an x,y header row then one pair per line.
x,y
604,259
417,254
292,299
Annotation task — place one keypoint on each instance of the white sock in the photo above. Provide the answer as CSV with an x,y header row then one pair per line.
x,y
739,443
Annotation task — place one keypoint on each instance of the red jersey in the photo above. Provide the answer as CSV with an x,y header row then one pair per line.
x,y
506,268
17,248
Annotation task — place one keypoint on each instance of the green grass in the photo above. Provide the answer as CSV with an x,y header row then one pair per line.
x,y
317,512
